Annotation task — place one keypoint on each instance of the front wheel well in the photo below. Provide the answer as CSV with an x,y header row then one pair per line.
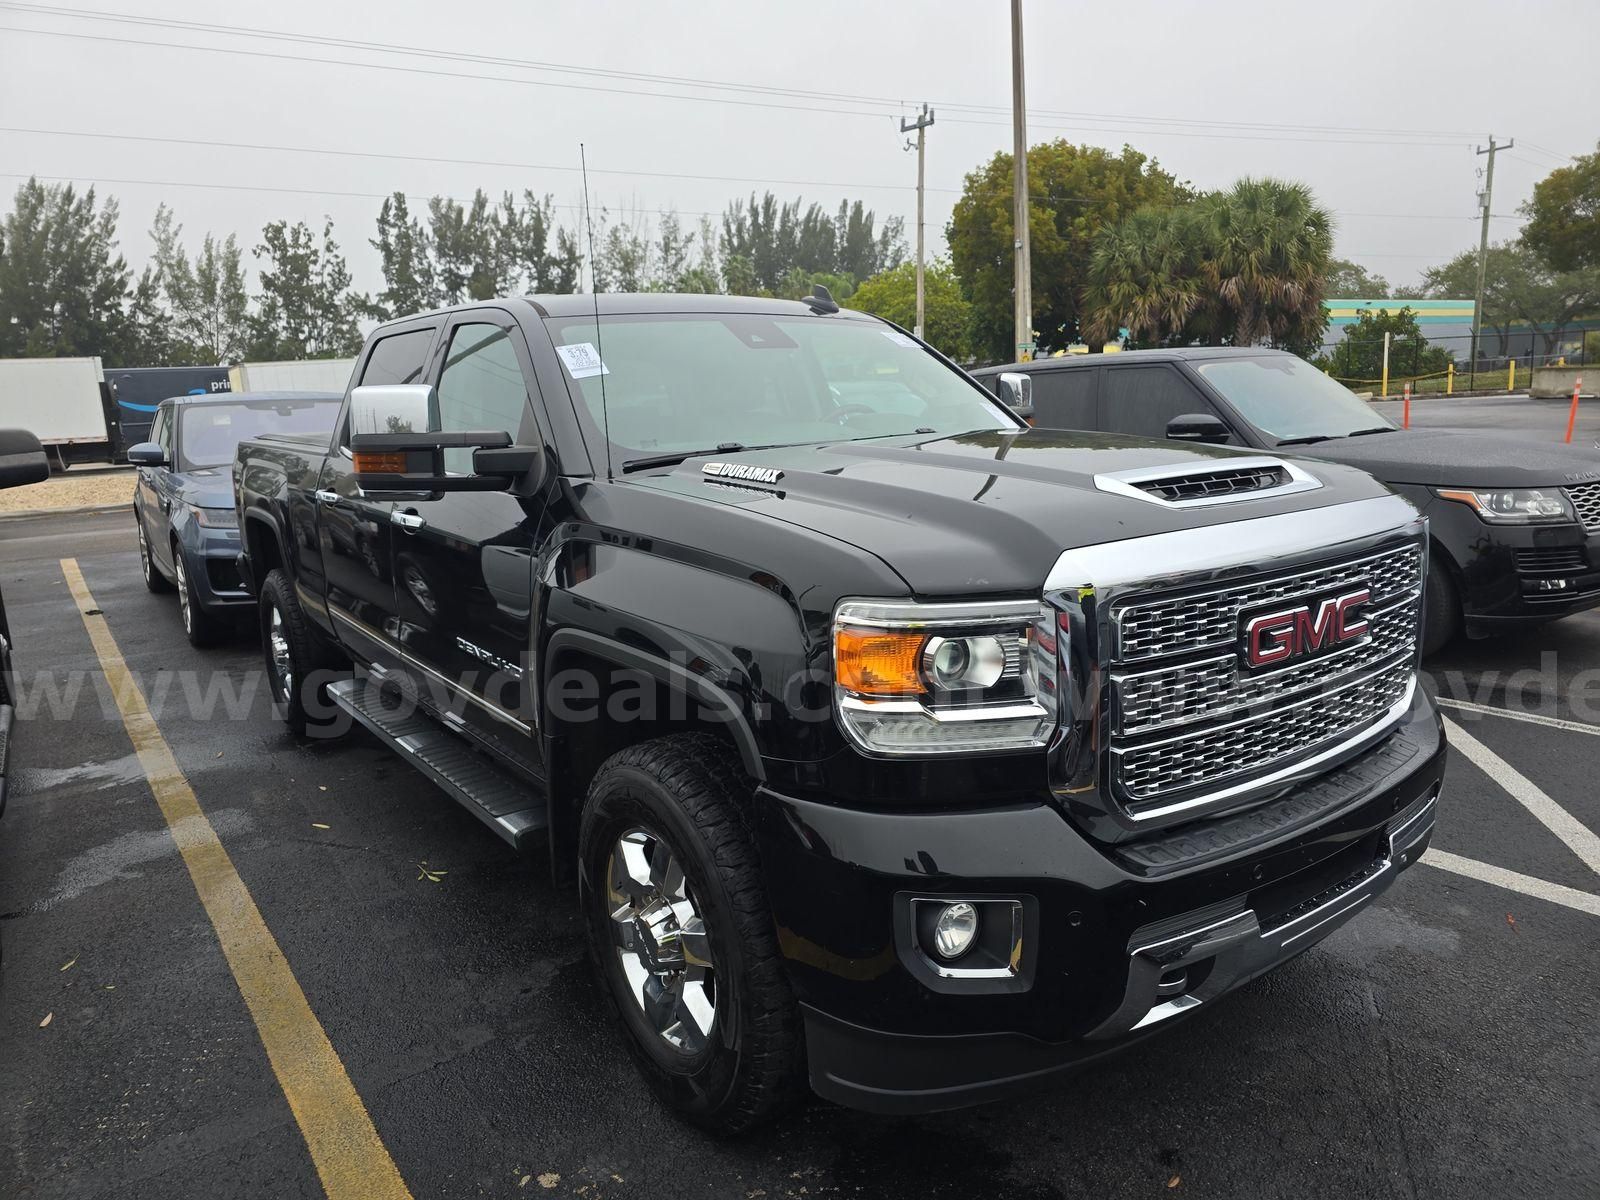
x,y
632,703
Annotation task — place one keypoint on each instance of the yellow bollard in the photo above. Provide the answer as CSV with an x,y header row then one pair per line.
x,y
1511,376
1450,379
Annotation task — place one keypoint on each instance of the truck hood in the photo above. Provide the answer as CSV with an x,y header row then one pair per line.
x,y
208,488
984,512
1453,458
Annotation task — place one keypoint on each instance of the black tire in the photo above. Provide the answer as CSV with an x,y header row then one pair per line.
x,y
300,701
1441,620
202,628
688,792
153,578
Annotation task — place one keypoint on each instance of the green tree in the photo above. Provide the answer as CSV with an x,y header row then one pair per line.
x,y
1241,266
1144,276
1074,192
306,308
63,285
1564,215
763,242
410,283
892,294
1348,280
1265,247
541,256
1518,287
207,304
1358,357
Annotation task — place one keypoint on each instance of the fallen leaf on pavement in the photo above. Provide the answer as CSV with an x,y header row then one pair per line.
x,y
48,1017
320,825
1512,921
69,965
434,875
1174,1181
525,1181
549,1179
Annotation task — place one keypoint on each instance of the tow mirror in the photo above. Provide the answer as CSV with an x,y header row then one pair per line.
x,y
1016,390
1198,427
147,454
22,459
396,448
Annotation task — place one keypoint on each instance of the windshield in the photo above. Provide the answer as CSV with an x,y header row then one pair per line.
x,y
694,381
1286,397
211,433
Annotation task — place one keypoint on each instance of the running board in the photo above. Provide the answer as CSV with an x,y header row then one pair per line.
x,y
502,801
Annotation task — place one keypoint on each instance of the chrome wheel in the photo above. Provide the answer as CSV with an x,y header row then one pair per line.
x,y
278,650
183,591
660,941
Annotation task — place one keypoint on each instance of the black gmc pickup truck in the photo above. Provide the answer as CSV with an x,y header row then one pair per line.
x,y
890,744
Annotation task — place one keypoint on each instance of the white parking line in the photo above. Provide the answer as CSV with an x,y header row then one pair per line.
x,y
1578,837
1540,889
1535,718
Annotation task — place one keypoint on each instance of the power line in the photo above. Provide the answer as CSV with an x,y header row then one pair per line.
x,y
671,80
1079,125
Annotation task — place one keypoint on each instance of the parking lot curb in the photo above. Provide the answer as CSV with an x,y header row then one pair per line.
x,y
62,512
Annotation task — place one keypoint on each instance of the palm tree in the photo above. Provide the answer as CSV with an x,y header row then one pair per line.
x,y
1142,277
1267,246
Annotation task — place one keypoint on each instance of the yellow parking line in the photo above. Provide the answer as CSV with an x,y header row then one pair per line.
x,y
350,1158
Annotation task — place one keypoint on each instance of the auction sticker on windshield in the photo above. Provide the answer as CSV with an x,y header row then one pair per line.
x,y
582,360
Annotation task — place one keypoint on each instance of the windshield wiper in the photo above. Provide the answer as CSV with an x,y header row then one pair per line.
x,y
1306,441
1374,429
678,456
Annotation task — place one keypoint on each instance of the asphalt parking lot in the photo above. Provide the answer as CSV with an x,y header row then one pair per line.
x,y
1444,1044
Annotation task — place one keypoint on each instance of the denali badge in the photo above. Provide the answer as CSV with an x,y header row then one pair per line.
x,y
742,471
1274,638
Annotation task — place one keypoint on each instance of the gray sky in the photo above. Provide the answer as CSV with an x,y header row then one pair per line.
x,y
1210,89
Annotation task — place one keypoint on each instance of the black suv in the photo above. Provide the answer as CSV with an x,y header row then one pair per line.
x,y
1515,526
890,743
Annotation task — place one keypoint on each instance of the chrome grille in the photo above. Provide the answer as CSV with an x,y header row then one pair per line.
x,y
1188,720
1213,687
1200,621
1586,499
1219,753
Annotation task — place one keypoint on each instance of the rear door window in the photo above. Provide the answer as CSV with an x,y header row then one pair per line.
x,y
398,358
1141,399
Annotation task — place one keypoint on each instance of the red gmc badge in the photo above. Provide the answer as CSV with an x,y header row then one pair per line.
x,y
1280,636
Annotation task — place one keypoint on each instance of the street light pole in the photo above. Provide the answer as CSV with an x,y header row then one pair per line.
x,y
1023,286
924,119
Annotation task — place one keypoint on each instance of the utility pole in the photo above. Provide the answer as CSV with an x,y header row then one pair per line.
x,y
1023,288
924,119
1485,198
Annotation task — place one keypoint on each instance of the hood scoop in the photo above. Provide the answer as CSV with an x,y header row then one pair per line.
x,y
1228,481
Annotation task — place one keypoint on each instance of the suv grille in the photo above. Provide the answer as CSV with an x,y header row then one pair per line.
x,y
1586,499
1215,483
1186,723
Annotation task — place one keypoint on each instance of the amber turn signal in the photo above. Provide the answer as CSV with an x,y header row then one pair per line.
x,y
369,463
879,662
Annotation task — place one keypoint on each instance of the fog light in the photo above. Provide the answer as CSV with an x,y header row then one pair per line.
x,y
954,930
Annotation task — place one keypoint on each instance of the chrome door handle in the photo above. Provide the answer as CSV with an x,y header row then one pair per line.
x,y
328,497
408,521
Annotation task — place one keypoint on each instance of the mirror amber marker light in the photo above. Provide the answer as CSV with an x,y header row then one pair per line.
x,y
372,463
879,662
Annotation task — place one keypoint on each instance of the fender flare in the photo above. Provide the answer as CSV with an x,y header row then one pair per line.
x,y
253,518
672,675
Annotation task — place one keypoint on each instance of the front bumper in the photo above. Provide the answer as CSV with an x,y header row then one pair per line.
x,y
1513,576
1119,943
214,568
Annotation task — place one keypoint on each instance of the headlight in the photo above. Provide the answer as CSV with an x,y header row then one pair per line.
x,y
217,518
1514,506
923,679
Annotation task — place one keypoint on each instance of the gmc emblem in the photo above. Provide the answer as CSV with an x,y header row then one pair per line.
x,y
1274,638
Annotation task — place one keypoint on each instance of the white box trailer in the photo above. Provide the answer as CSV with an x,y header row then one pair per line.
x,y
62,401
305,375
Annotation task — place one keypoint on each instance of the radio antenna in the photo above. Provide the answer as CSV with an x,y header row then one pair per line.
x,y
594,291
